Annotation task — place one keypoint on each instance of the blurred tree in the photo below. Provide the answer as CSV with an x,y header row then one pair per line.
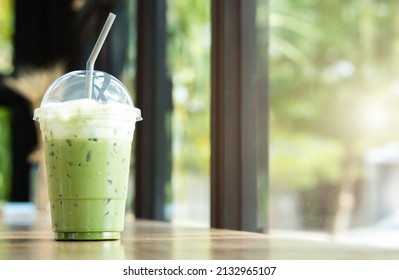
x,y
333,91
189,63
6,21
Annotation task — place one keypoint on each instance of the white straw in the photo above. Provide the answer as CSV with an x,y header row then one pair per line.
x,y
95,52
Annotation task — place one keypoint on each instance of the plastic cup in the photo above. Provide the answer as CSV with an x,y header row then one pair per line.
x,y
87,145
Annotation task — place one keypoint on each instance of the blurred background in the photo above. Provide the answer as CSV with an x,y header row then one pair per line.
x,y
334,95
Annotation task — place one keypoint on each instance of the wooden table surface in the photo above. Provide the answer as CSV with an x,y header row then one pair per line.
x,y
150,240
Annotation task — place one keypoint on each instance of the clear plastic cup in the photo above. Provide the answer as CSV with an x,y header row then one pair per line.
x,y
87,143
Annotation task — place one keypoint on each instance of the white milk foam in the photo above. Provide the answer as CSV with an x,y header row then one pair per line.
x,y
86,118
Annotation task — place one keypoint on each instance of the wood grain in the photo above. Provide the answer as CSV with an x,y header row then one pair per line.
x,y
150,240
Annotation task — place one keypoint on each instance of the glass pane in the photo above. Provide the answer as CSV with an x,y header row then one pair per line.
x,y
262,15
189,64
333,118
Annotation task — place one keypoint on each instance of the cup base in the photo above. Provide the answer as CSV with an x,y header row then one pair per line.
x,y
75,236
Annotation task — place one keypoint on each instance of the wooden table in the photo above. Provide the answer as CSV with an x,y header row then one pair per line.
x,y
150,240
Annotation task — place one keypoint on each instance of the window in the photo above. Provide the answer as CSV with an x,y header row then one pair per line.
x,y
212,51
333,118
189,47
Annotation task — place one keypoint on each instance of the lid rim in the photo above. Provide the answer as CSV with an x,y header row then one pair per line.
x,y
72,86
136,116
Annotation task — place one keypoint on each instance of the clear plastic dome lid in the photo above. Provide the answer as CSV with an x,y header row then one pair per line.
x,y
106,89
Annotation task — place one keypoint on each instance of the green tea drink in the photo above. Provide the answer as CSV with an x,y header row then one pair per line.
x,y
84,176
87,151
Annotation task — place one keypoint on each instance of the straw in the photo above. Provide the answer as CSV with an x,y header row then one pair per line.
x,y
95,52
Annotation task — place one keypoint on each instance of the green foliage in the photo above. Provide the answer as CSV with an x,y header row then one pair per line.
x,y
303,161
333,84
189,63
6,31
5,153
